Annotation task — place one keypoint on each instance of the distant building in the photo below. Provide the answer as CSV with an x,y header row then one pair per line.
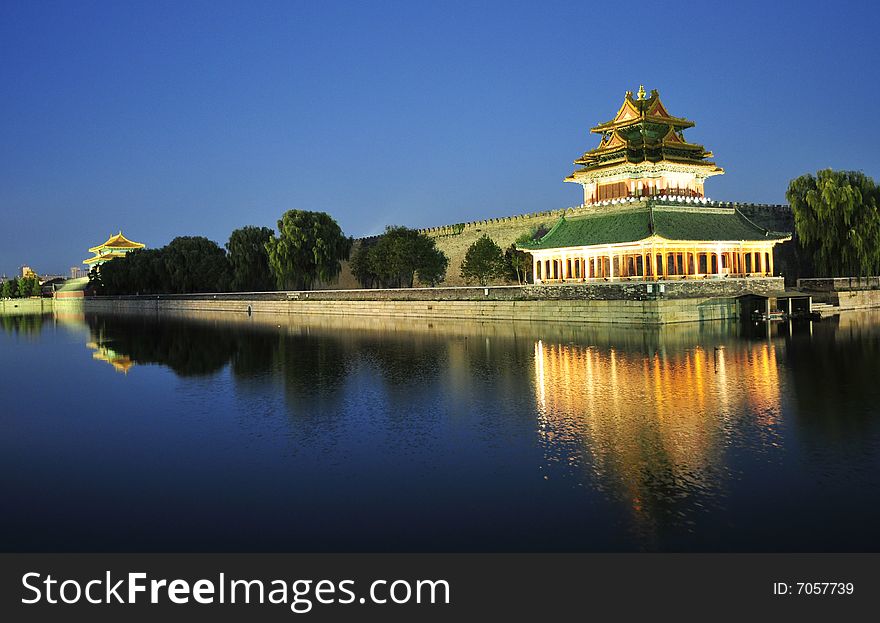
x,y
27,271
76,272
115,246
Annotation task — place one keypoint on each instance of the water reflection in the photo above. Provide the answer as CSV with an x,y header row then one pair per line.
x,y
24,324
606,437
653,428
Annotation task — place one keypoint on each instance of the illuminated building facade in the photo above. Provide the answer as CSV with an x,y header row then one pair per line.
x,y
645,215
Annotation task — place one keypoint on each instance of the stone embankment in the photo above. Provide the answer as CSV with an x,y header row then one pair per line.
x,y
618,302
16,307
844,293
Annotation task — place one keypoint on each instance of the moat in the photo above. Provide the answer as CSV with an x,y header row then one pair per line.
x,y
222,432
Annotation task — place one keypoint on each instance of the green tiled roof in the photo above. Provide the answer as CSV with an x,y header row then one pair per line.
x,y
671,223
623,226
75,285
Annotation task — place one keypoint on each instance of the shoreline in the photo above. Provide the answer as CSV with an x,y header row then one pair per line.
x,y
625,302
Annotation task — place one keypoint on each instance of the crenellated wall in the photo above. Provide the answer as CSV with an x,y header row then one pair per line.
x,y
454,240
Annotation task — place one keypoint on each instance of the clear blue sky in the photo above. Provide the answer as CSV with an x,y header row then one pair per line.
x,y
175,118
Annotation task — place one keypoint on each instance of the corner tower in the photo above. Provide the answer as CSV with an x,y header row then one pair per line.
x,y
643,153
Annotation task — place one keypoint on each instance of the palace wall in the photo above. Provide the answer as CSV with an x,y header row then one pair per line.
x,y
15,307
454,240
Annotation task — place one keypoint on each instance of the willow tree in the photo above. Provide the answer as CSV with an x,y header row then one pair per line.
x,y
308,249
837,221
250,260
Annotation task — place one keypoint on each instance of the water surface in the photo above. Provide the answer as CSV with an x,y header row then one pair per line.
x,y
223,432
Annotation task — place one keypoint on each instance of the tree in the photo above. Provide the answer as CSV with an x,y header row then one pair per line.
x,y
482,261
26,286
837,221
517,265
141,271
36,288
402,253
9,288
432,265
250,260
195,264
308,249
361,264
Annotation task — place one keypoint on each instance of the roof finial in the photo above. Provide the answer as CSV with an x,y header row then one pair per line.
x,y
641,92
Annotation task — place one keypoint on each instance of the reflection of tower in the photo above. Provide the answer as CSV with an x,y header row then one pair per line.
x,y
120,362
653,429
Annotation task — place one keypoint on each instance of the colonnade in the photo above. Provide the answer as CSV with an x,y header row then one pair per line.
x,y
650,262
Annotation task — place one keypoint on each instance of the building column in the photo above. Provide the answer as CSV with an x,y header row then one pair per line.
x,y
718,262
770,261
535,277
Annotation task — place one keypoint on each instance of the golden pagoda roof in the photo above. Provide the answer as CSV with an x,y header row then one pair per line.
x,y
644,131
635,110
106,256
118,241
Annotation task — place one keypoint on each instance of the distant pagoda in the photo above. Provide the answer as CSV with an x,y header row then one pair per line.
x,y
645,216
642,153
115,246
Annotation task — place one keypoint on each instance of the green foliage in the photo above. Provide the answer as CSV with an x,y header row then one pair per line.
x,y
28,286
394,260
433,263
9,288
140,272
517,263
483,261
361,265
187,264
308,249
837,221
196,264
250,260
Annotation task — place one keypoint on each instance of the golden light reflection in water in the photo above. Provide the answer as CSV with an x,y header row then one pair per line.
x,y
654,427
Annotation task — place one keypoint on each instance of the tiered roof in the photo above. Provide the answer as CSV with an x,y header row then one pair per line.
x,y
117,241
116,246
644,131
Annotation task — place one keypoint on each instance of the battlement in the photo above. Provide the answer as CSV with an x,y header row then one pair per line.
x,y
457,229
